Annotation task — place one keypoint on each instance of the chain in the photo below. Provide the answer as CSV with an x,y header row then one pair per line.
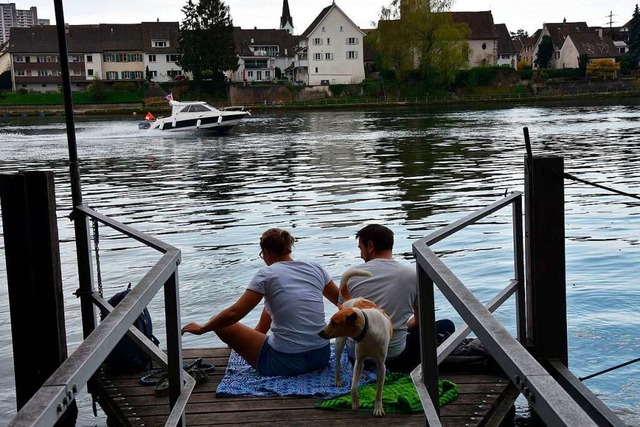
x,y
96,241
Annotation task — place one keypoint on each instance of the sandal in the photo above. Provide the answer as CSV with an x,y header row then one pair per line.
x,y
197,370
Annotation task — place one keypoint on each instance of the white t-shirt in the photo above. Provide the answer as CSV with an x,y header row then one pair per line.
x,y
293,299
394,287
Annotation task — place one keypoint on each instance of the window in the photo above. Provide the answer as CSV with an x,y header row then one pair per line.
x,y
152,58
20,73
19,58
352,54
89,58
341,29
159,43
352,40
174,73
323,29
328,56
328,41
249,73
89,72
317,56
112,75
317,41
74,58
172,58
316,70
484,46
267,73
153,74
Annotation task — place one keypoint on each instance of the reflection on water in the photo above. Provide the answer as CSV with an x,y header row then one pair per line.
x,y
323,175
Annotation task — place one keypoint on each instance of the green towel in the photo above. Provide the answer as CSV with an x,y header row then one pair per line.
x,y
399,395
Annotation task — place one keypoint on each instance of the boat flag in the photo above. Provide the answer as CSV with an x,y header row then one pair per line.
x,y
149,117
169,97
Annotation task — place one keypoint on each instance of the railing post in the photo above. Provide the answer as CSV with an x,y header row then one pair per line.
x,y
428,344
519,272
546,282
34,279
174,340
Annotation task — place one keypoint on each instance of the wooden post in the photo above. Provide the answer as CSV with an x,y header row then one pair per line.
x,y
545,252
34,279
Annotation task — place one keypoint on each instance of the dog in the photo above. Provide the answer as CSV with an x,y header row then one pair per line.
x,y
370,327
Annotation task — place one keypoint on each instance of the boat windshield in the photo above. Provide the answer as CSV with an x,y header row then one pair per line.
x,y
195,108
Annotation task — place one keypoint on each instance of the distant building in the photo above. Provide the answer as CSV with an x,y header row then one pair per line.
x,y
11,17
286,21
109,52
507,51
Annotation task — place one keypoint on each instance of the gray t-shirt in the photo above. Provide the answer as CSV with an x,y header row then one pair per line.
x,y
394,287
293,298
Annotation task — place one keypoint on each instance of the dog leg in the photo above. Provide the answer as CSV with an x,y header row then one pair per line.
x,y
340,343
378,411
357,372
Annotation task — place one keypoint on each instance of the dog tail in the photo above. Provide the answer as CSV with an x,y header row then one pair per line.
x,y
346,276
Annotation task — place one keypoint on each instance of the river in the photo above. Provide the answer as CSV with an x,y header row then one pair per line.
x,y
323,175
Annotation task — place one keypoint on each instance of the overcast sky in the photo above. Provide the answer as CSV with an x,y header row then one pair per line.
x,y
528,16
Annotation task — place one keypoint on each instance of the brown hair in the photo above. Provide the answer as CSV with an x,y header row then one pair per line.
x,y
277,241
381,236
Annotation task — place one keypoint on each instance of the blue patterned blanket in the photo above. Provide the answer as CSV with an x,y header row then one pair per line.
x,y
240,379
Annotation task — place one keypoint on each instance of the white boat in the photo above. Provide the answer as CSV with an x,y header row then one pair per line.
x,y
196,115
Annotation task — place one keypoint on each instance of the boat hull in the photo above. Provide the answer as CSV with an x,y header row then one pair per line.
x,y
221,123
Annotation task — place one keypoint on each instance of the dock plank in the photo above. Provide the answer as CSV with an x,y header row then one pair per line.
x,y
127,402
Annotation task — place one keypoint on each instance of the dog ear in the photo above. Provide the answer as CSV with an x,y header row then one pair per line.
x,y
351,318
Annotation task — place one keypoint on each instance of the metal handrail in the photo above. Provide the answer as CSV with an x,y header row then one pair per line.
x,y
61,388
550,401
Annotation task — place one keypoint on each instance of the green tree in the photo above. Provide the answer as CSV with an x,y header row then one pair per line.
x,y
206,39
634,39
545,52
423,39
583,62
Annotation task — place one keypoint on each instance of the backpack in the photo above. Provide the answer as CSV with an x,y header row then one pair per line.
x,y
127,357
468,354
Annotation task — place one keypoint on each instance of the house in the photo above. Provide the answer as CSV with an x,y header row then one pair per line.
x,y
329,51
526,47
558,33
592,44
263,55
483,40
110,52
507,52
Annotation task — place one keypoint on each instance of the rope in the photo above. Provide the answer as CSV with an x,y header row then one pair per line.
x,y
613,190
610,369
96,241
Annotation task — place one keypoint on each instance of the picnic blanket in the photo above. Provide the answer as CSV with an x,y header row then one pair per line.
x,y
240,379
399,395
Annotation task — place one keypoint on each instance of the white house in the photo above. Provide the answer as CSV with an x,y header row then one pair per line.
x,y
330,50
594,45
558,33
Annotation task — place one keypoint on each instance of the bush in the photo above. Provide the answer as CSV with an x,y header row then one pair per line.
x,y
125,86
97,90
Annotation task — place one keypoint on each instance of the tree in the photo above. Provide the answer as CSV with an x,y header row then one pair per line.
x,y
545,52
424,39
583,62
206,40
634,39
520,34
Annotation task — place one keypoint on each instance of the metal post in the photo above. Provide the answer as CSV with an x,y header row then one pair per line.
x,y
174,342
428,343
546,282
81,224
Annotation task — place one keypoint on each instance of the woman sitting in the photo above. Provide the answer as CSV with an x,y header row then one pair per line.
x,y
285,341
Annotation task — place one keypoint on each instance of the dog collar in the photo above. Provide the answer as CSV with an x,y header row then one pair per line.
x,y
365,328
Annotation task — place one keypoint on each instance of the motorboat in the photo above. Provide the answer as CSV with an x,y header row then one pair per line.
x,y
195,115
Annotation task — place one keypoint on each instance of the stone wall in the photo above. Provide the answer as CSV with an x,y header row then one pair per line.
x,y
246,95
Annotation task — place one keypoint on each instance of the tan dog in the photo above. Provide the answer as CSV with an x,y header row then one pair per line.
x,y
371,329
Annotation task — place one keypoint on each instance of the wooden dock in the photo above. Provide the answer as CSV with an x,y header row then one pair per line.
x,y
484,399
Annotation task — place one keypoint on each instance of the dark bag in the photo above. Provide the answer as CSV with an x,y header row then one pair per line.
x,y
127,357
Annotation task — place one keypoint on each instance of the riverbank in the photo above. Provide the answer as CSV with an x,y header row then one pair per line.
x,y
455,100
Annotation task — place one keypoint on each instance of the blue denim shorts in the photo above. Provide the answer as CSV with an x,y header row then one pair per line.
x,y
273,362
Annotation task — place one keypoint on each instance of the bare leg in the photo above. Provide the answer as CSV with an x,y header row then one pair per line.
x,y
246,341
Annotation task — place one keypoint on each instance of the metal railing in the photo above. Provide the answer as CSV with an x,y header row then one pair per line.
x,y
545,395
57,393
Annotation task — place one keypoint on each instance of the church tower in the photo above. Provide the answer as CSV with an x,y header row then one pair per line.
x,y
286,21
